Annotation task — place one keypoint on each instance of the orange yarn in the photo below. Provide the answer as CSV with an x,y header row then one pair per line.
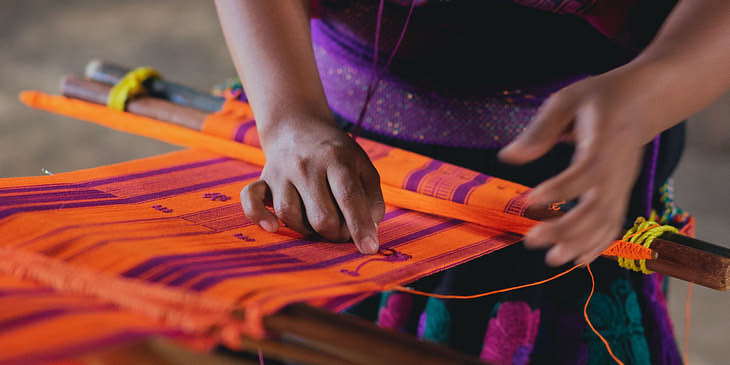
x,y
588,321
687,324
474,296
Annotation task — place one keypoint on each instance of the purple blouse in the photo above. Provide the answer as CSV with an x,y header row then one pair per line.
x,y
468,73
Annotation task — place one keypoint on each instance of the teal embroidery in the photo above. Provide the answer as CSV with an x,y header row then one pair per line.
x,y
435,322
617,316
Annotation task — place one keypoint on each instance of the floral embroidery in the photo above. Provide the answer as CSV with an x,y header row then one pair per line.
x,y
395,309
511,334
617,316
435,322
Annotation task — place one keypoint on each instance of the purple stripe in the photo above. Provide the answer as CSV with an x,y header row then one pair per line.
x,y
44,315
128,239
462,192
148,265
115,179
243,260
399,273
213,280
26,292
192,274
164,260
48,355
135,199
55,197
415,178
242,130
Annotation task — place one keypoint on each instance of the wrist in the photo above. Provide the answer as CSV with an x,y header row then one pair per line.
x,y
659,98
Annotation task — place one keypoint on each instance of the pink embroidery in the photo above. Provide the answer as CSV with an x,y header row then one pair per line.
x,y
396,311
511,334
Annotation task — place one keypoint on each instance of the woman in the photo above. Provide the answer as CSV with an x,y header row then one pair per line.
x,y
462,81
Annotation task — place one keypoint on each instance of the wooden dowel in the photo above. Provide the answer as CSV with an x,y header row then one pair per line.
x,y
359,341
695,261
110,73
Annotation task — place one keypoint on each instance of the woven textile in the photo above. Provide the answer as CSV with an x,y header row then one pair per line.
x,y
161,246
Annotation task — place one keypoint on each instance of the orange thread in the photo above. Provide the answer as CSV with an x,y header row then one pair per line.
x,y
474,296
687,324
628,250
585,315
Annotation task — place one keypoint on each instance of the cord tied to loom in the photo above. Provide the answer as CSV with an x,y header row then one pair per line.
x,y
642,233
129,86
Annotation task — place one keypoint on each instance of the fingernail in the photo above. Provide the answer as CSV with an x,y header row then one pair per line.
x,y
268,226
368,245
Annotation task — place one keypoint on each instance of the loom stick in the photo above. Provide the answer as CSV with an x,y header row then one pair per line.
x,y
110,73
694,261
358,340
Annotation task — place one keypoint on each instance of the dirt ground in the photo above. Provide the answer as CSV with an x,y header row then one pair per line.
x,y
42,40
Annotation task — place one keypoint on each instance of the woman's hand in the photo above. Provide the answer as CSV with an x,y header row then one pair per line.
x,y
319,181
607,118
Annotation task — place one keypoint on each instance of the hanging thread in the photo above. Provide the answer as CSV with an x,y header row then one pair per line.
x,y
480,295
375,75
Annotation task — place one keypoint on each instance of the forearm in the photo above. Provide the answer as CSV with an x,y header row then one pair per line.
x,y
270,43
688,63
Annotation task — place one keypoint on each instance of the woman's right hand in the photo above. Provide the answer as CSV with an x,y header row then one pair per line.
x,y
319,181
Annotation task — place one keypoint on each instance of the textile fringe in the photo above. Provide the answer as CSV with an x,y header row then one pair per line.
x,y
188,311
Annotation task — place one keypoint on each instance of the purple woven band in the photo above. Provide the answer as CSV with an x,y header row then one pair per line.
x,y
488,119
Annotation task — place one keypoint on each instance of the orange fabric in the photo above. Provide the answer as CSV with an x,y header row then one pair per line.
x,y
165,237
457,192
38,324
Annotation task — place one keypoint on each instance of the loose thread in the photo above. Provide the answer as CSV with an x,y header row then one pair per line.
x,y
474,296
588,321
687,324
376,76
480,295
261,355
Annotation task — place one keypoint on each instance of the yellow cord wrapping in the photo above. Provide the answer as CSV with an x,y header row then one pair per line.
x,y
643,233
129,86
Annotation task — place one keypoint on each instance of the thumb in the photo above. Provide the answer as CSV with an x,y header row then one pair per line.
x,y
544,131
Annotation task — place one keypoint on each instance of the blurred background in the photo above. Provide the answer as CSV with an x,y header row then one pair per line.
x,y
41,40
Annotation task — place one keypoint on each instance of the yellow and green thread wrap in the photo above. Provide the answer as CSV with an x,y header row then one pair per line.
x,y
643,233
129,86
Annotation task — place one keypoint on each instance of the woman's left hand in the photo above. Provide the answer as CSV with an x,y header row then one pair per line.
x,y
605,116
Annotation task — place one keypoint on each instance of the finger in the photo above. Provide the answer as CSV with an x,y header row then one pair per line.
x,y
579,221
371,183
322,213
288,207
585,246
253,201
583,173
607,236
558,255
350,196
543,132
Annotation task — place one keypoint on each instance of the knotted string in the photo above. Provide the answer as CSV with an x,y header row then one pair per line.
x,y
642,233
